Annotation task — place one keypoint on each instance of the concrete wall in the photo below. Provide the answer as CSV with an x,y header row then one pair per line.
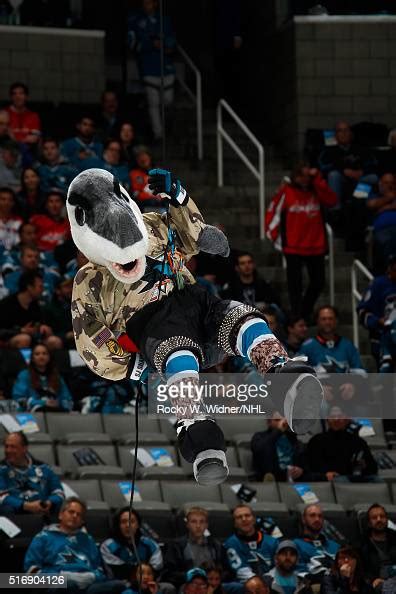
x,y
343,67
57,64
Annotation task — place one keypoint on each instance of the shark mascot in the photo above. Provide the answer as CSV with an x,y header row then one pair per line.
x,y
135,303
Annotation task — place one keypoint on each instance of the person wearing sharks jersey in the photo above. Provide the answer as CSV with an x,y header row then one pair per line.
x,y
68,550
249,550
337,362
316,552
135,300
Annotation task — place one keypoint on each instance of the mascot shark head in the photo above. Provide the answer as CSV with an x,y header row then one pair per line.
x,y
107,225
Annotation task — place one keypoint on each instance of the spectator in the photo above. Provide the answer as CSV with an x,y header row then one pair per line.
x,y
193,549
383,207
11,259
109,116
277,452
331,354
143,581
52,227
117,552
214,574
67,549
5,133
84,145
21,318
316,552
10,166
387,159
58,312
139,180
377,312
347,574
126,137
30,260
9,222
30,199
24,123
294,221
54,171
113,163
195,581
145,35
255,585
378,547
26,484
346,164
249,550
339,454
247,286
105,396
40,387
296,334
283,577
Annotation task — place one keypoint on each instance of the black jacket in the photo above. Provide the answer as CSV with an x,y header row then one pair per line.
x,y
335,584
338,451
265,458
177,559
371,555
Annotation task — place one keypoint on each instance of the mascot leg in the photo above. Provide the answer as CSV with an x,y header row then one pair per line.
x,y
200,439
299,393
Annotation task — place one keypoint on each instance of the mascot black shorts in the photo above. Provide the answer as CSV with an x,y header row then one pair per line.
x,y
189,318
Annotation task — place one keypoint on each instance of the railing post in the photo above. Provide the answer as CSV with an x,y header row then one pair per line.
x,y
331,264
261,191
199,115
219,147
354,313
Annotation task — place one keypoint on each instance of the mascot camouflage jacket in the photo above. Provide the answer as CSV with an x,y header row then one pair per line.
x,y
102,305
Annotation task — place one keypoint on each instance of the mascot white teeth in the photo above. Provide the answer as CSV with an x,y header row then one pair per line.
x,y
135,302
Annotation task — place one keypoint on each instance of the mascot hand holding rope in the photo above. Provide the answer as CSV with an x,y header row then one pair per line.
x,y
135,302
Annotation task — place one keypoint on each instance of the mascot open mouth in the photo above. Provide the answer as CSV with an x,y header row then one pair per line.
x,y
130,270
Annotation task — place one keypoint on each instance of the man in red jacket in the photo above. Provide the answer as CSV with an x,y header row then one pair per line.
x,y
294,222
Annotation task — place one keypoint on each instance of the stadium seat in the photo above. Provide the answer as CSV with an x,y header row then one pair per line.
x,y
121,428
354,494
168,428
377,441
41,436
155,472
181,492
67,427
149,491
70,465
289,496
43,453
97,523
240,430
100,472
14,549
88,490
265,492
246,460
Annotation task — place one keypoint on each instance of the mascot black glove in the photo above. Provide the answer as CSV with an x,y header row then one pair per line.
x,y
163,182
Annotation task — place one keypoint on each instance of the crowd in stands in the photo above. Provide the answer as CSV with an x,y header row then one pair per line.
x,y
255,556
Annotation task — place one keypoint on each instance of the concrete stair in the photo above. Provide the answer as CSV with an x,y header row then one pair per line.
x,y
236,206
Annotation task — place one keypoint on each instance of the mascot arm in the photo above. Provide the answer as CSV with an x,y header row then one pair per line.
x,y
95,342
195,235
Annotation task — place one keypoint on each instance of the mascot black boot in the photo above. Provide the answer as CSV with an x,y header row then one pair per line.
x,y
200,439
135,301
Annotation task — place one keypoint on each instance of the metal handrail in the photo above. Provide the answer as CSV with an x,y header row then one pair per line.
x,y
195,97
257,172
357,266
330,241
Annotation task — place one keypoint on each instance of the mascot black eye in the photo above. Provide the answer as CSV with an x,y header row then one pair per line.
x,y
80,215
